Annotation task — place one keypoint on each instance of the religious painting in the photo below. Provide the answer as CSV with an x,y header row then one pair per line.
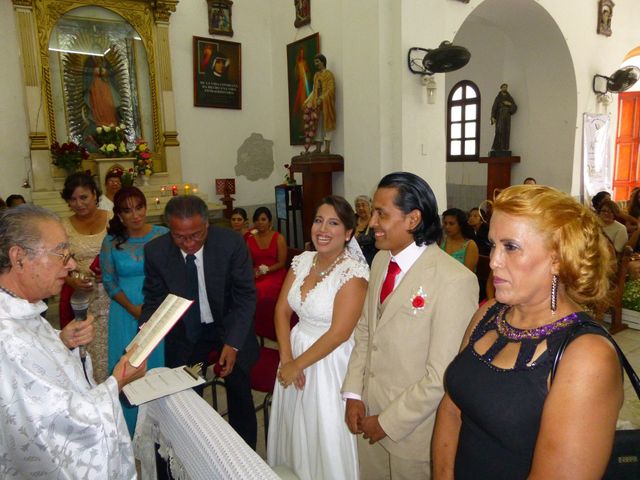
x,y
217,71
605,12
303,13
300,78
99,74
219,13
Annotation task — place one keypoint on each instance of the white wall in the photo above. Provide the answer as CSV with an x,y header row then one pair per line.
x,y
384,122
14,140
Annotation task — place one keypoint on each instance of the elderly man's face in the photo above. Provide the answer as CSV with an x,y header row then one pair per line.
x,y
43,270
189,234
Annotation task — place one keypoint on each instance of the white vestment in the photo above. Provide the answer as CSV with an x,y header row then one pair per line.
x,y
54,425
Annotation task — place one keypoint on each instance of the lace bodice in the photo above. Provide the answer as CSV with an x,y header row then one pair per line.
x,y
317,307
85,247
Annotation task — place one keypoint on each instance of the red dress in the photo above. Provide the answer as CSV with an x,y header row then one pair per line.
x,y
267,286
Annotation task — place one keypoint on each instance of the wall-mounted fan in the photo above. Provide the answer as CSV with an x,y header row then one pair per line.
x,y
619,81
446,58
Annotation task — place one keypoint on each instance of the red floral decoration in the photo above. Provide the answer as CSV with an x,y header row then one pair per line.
x,y
418,301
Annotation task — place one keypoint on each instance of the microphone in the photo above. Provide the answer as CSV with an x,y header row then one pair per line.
x,y
80,306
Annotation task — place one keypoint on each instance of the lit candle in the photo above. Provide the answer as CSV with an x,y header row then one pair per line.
x,y
157,201
174,191
163,191
187,188
195,190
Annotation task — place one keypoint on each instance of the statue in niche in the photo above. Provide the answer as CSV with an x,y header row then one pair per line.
x,y
503,107
323,99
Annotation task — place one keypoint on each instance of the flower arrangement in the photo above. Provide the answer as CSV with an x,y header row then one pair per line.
x,y
69,155
144,161
111,140
127,178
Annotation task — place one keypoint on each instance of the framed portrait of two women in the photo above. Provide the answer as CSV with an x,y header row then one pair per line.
x,y
217,73
300,72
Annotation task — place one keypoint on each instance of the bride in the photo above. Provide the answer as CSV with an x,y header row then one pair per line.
x,y
327,290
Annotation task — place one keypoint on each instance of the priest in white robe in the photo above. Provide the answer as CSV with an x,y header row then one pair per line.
x,y
56,422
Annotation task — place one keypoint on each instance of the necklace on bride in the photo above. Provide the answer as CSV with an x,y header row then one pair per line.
x,y
328,270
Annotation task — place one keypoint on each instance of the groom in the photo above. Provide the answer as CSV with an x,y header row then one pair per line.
x,y
418,305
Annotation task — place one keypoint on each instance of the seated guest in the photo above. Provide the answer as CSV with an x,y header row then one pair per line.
x,y
458,237
633,204
481,230
55,422
598,198
363,233
614,230
112,184
269,254
3,205
530,181
239,221
122,263
501,416
15,200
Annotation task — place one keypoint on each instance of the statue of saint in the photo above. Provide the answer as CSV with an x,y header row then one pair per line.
x,y
323,98
503,107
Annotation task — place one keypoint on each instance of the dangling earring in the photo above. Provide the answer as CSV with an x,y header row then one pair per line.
x,y
554,293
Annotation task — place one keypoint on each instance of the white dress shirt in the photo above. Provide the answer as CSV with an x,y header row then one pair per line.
x,y
205,310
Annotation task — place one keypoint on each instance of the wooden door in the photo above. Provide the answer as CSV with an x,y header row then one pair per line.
x,y
626,172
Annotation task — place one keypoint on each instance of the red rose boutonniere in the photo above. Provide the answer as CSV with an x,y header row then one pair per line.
x,y
418,300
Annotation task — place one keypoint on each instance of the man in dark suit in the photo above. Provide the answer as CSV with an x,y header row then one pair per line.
x,y
221,317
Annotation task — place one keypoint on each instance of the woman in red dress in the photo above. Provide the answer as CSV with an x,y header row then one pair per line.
x,y
269,252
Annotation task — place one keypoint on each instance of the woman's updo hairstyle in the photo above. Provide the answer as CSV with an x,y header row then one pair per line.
x,y
573,233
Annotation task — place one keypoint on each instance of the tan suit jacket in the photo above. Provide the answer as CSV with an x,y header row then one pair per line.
x,y
401,353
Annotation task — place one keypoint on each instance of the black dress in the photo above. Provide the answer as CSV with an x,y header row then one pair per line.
x,y
501,409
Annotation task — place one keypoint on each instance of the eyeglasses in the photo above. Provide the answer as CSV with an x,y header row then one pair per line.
x,y
66,257
194,237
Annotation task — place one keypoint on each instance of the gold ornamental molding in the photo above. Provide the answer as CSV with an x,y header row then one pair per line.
x,y
171,139
39,141
143,15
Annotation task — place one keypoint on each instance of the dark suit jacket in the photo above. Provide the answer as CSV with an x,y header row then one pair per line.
x,y
230,289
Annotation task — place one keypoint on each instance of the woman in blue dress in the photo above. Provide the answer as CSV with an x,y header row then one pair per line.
x,y
122,263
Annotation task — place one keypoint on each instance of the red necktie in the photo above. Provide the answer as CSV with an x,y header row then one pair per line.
x,y
387,286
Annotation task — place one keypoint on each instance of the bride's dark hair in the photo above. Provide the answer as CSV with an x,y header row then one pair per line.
x,y
343,208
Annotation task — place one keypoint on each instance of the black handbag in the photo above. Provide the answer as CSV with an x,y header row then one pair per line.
x,y
625,458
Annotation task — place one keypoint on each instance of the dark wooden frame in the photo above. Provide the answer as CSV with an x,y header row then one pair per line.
x,y
463,102
311,47
604,28
303,13
210,89
220,9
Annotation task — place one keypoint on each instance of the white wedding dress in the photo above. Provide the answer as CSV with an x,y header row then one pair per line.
x,y
307,430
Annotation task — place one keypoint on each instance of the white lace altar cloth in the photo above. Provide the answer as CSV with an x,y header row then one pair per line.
x,y
196,442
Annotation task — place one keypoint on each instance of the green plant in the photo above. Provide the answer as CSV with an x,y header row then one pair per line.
x,y
68,156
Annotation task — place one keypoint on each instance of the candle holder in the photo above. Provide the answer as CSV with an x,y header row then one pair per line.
x,y
163,191
174,191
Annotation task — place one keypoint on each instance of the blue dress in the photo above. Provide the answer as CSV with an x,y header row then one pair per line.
x,y
123,270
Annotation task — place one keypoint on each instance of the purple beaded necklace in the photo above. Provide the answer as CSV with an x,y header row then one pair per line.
x,y
517,334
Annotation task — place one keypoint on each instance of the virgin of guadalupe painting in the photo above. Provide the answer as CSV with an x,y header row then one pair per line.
x,y
98,75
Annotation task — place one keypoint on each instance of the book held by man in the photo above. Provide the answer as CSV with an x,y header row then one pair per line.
x,y
157,327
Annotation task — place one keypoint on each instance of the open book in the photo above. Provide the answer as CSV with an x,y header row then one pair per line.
x,y
161,382
158,325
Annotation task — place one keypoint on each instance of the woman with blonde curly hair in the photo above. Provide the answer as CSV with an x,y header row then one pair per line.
x,y
501,417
